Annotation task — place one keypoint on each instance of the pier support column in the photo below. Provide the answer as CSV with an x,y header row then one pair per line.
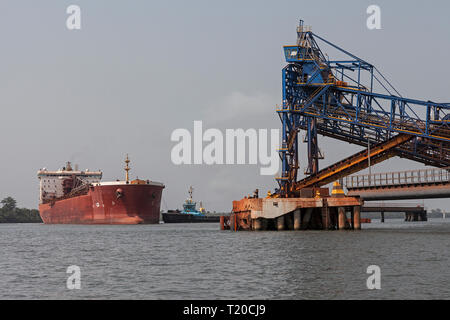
x,y
289,222
307,218
382,216
297,219
333,218
233,226
341,218
326,221
357,218
280,223
222,223
257,224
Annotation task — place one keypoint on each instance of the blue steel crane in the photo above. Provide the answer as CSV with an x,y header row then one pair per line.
x,y
338,99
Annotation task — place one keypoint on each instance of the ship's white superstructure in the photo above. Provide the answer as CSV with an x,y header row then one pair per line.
x,y
56,184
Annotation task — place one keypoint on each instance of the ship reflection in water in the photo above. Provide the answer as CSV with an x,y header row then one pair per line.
x,y
190,214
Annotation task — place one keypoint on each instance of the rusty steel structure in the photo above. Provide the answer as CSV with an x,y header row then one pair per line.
x,y
347,99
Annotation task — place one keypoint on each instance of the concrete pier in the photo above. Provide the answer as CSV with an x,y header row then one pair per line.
x,y
316,212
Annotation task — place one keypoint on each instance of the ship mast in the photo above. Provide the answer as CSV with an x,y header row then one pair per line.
x,y
190,192
127,168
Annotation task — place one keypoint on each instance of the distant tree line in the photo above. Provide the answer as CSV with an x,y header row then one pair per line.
x,y
9,213
436,213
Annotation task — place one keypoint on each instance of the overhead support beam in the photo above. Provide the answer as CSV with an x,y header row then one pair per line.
x,y
426,151
354,163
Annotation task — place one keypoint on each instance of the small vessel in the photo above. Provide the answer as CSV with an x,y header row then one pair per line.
x,y
71,196
190,214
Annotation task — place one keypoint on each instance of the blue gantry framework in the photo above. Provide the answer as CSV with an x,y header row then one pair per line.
x,y
349,99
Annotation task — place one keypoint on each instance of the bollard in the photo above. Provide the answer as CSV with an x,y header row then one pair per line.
x,y
297,219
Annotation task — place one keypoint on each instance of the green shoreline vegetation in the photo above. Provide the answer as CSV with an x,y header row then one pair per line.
x,y
9,213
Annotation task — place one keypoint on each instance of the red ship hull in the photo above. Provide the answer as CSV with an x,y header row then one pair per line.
x,y
107,204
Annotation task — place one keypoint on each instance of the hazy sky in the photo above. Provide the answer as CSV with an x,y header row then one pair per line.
x,y
137,70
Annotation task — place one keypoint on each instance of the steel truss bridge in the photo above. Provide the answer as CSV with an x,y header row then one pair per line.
x,y
350,100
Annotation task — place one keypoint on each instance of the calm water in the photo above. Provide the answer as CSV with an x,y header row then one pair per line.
x,y
183,261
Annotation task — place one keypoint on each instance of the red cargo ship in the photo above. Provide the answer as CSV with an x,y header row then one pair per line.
x,y
70,196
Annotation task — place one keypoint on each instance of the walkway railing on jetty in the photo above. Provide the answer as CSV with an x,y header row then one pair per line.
x,y
410,177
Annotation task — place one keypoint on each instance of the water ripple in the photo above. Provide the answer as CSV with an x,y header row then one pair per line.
x,y
201,262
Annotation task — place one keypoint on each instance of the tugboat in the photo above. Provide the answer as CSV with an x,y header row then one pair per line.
x,y
190,214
